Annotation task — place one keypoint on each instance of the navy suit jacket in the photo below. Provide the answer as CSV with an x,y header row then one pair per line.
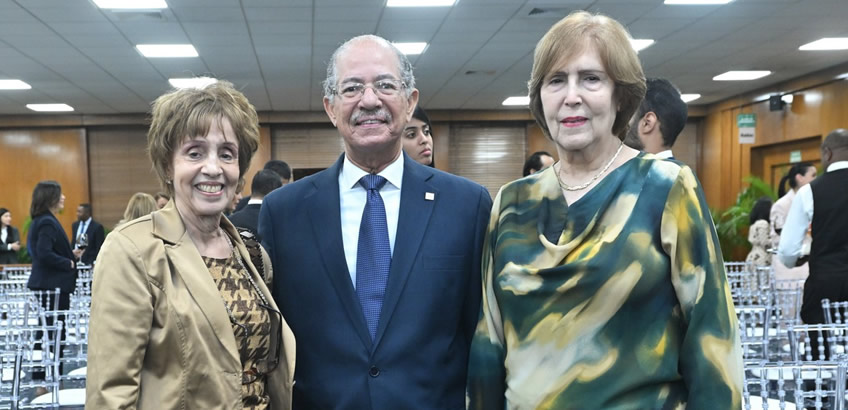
x,y
51,255
96,236
247,218
419,357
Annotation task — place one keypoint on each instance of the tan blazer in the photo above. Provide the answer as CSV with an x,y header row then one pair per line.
x,y
160,337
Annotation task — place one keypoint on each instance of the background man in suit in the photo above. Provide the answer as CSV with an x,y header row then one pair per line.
x,y
283,171
659,120
95,235
263,183
377,258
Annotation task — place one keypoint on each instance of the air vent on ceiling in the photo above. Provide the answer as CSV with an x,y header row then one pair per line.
x,y
549,12
147,15
480,72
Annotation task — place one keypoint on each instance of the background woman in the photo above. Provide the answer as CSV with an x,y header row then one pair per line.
x,y
799,174
603,283
53,263
10,240
140,204
759,233
179,316
418,139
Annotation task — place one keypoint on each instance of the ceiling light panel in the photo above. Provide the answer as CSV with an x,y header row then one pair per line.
x,y
50,107
411,48
827,43
697,2
14,85
131,4
420,3
741,75
196,82
166,50
689,97
518,100
640,44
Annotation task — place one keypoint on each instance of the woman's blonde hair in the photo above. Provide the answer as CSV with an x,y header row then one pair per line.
x,y
572,35
140,204
189,112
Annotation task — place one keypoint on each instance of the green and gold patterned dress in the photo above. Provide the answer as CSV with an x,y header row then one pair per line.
x,y
618,301
253,332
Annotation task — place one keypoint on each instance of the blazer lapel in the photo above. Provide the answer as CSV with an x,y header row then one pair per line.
x,y
325,219
188,264
417,198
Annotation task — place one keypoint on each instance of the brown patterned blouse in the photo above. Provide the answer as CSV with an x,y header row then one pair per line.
x,y
253,328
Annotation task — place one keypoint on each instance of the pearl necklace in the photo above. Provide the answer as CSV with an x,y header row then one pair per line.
x,y
566,187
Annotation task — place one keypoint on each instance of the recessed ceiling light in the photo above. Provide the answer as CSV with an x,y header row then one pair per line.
x,y
420,3
14,85
50,107
519,100
697,2
131,4
411,48
741,75
827,43
196,82
689,97
843,76
640,44
166,50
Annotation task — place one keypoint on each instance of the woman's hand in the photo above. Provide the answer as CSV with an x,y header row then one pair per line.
x,y
15,246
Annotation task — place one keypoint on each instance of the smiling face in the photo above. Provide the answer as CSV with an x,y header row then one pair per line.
x,y
206,171
370,122
577,100
418,142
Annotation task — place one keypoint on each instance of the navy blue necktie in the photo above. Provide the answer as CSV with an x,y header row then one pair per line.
x,y
373,254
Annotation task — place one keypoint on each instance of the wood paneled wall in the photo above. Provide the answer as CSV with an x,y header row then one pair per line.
x,y
30,155
820,105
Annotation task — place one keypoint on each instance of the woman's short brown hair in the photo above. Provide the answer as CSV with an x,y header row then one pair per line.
x,y
189,112
571,36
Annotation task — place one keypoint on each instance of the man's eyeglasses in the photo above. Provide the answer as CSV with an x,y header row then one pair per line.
x,y
386,87
268,362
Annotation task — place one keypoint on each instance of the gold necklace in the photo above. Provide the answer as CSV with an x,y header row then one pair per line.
x,y
566,187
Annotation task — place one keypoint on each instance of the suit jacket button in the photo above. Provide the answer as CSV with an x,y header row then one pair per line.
x,y
373,371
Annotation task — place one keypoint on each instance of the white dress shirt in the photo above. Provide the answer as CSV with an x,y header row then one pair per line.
x,y
81,228
799,218
252,201
664,154
353,198
3,236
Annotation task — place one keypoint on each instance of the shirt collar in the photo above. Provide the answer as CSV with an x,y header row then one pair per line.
x,y
351,174
664,154
85,222
252,201
837,166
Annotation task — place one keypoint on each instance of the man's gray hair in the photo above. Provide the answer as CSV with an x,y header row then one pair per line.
x,y
404,66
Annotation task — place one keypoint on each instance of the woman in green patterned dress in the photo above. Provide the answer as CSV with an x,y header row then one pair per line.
x,y
603,282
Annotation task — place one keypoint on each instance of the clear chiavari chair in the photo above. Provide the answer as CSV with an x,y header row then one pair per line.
x,y
795,385
754,326
830,340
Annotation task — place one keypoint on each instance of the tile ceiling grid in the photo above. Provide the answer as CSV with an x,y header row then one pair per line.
x,y
63,77
471,57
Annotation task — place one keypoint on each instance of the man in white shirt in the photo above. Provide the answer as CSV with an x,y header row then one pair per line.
x,y
822,203
659,120
377,258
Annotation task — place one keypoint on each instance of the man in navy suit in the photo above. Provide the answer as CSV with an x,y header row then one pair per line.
x,y
659,120
377,258
263,183
94,233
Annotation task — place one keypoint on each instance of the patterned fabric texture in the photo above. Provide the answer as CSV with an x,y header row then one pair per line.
x,y
618,301
241,298
759,235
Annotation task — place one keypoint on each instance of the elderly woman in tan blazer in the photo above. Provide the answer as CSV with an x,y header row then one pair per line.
x,y
180,318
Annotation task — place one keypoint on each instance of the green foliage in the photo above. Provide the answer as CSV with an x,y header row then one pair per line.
x,y
23,255
732,223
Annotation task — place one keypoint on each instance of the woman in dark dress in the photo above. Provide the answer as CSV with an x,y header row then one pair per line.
x,y
10,241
